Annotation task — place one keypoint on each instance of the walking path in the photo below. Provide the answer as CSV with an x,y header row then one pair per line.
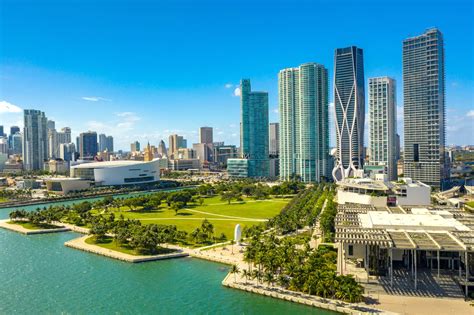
x,y
200,219
226,216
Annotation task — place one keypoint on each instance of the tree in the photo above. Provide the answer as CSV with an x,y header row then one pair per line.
x,y
234,270
227,196
98,230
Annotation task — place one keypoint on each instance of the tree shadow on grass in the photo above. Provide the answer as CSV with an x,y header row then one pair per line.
x,y
184,214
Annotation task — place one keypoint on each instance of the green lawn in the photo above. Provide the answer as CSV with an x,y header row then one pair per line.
x,y
3,199
32,226
109,243
222,215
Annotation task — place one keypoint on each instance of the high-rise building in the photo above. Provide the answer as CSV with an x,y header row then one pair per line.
x,y
424,108
2,134
35,139
273,149
13,129
67,151
162,149
16,143
175,143
304,131
110,144
205,135
383,125
254,130
88,145
135,146
51,124
102,142
56,138
349,105
148,153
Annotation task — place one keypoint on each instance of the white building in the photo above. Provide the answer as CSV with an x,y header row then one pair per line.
x,y
383,125
118,172
380,192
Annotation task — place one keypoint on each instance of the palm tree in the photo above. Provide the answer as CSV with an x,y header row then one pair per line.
x,y
268,277
232,242
235,270
246,274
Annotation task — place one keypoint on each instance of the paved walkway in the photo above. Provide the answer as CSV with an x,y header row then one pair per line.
x,y
226,216
20,229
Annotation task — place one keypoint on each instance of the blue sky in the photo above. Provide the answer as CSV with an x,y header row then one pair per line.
x,y
145,69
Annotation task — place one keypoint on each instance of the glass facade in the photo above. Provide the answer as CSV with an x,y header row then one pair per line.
x,y
349,105
254,130
304,133
424,108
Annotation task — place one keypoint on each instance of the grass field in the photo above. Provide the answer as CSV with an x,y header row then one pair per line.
x,y
108,243
3,199
222,215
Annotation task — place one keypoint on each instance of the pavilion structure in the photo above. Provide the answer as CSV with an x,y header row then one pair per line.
x,y
381,239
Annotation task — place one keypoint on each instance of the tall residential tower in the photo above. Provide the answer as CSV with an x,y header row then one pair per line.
x,y
349,105
304,132
35,139
424,108
254,130
383,125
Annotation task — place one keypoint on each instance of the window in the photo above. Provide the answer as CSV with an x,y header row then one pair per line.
x,y
138,179
351,250
416,152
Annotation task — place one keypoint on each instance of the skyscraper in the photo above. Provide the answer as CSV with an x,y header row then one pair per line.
x,y
175,143
35,139
162,149
2,134
102,142
304,132
254,130
135,146
383,124
110,144
274,149
424,108
13,129
205,135
66,151
349,105
88,145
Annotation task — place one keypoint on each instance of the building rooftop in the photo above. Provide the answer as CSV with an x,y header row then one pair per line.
x,y
109,164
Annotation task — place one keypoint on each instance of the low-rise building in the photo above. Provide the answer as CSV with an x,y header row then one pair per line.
x,y
63,186
380,192
183,164
238,168
121,172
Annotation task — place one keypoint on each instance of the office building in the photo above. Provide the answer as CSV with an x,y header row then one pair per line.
x,y
162,149
238,168
176,142
88,145
67,151
203,152
14,129
223,152
16,143
304,130
50,124
110,144
135,147
383,125
349,105
2,133
254,130
424,108
35,139
102,142
274,149
205,135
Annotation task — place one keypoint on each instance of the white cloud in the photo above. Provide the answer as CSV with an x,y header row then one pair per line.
x,y
470,113
237,92
276,110
6,107
95,98
229,85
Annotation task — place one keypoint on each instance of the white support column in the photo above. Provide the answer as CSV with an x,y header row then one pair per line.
x,y
414,260
367,261
467,271
391,267
438,263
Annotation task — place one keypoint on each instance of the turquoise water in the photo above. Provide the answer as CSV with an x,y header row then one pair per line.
x,y
39,275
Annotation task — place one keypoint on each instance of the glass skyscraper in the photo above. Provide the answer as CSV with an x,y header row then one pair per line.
x,y
35,139
254,130
424,108
383,125
349,105
88,145
304,133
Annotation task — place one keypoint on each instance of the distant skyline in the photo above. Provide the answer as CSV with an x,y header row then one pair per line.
x,y
143,70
